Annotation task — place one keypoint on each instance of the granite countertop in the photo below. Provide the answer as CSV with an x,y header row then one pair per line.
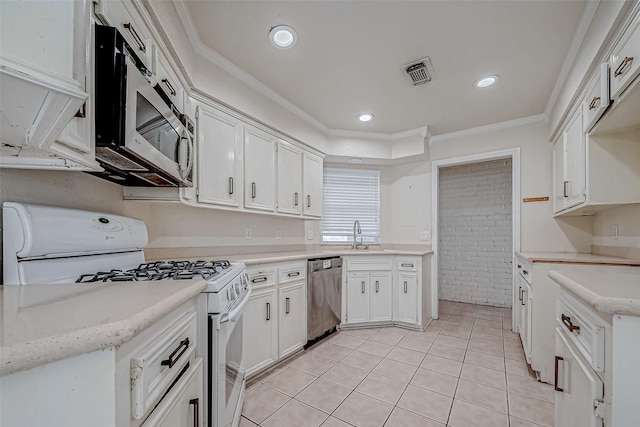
x,y
577,258
606,291
46,323
263,258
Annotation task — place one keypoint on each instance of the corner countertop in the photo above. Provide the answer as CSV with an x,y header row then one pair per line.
x,y
576,258
264,258
46,323
606,291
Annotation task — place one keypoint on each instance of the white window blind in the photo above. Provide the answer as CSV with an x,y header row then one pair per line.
x,y
350,195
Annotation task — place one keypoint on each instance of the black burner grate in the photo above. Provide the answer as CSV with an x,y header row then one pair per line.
x,y
160,270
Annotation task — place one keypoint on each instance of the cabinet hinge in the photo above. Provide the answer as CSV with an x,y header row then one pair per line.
x,y
601,409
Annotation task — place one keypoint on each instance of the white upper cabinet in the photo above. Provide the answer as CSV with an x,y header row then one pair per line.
x,y
625,59
597,99
169,82
259,170
312,185
290,197
219,151
569,164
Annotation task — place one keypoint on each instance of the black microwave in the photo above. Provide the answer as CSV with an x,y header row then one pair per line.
x,y
141,139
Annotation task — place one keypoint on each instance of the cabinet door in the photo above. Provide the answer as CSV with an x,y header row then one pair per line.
x,y
219,159
182,406
381,297
290,198
408,297
558,176
259,170
292,321
260,333
580,387
357,297
312,183
575,164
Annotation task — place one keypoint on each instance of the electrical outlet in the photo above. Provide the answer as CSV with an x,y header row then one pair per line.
x,y
247,232
615,231
425,236
309,234
278,234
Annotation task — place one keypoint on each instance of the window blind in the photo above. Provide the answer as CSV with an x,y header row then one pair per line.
x,y
350,195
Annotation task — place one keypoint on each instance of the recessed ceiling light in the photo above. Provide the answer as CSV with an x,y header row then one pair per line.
x,y
486,81
283,36
365,117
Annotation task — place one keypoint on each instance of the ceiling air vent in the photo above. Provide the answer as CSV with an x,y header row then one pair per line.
x,y
419,72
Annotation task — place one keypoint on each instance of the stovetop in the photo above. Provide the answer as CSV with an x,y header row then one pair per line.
x,y
162,270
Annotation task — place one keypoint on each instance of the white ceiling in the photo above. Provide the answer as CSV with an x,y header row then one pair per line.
x,y
349,53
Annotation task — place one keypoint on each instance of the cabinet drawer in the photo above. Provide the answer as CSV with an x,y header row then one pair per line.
x,y
583,329
525,270
408,264
260,277
292,272
369,264
157,365
625,59
597,98
116,14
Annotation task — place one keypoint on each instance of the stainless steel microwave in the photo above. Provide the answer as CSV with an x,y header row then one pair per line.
x,y
141,138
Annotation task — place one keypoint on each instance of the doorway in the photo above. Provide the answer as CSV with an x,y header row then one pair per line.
x,y
476,228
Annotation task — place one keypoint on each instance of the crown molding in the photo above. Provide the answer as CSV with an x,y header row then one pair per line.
x,y
378,136
585,21
488,128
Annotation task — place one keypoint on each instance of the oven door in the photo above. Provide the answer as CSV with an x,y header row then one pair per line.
x,y
153,132
227,376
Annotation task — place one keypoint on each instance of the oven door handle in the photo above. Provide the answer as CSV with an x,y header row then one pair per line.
x,y
233,314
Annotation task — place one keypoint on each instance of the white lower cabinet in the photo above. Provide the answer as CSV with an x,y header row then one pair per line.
x,y
407,291
275,318
380,297
524,316
260,332
182,406
357,298
292,319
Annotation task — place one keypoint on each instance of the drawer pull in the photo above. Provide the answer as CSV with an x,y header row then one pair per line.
x,y
377,286
567,322
405,287
230,185
522,296
555,376
594,102
363,286
565,188
137,38
184,345
525,272
308,200
295,199
519,266
259,279
294,274
287,305
253,190
623,66
268,311
406,264
196,409
169,86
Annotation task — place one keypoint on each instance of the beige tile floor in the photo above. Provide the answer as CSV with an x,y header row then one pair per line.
x,y
466,370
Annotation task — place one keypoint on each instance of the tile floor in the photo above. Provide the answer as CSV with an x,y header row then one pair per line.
x,y
466,370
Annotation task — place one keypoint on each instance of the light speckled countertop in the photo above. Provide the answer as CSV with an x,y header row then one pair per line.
x,y
263,258
576,258
606,291
46,323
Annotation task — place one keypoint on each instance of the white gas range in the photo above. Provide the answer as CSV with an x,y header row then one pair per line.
x,y
51,245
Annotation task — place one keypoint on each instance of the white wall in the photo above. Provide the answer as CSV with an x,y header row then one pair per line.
x,y
627,219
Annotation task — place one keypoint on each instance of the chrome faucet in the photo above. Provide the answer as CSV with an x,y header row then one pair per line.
x,y
356,228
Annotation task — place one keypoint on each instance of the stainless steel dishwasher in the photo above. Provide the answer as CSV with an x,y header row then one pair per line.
x,y
324,296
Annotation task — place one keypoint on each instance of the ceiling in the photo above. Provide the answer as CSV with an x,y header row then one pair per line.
x,y
349,55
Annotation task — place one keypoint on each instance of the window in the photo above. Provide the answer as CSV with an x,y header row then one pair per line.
x,y
350,195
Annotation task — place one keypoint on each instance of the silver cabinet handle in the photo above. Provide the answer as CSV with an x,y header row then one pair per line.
x,y
230,185
287,305
259,279
522,291
377,286
295,199
136,37
268,311
363,286
404,264
294,274
253,190
623,66
169,86
308,200
405,287
196,409
566,188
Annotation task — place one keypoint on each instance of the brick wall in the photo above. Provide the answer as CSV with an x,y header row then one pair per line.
x,y
474,233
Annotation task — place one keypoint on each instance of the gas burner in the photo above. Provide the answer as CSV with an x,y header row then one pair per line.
x,y
160,270
107,276
224,264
